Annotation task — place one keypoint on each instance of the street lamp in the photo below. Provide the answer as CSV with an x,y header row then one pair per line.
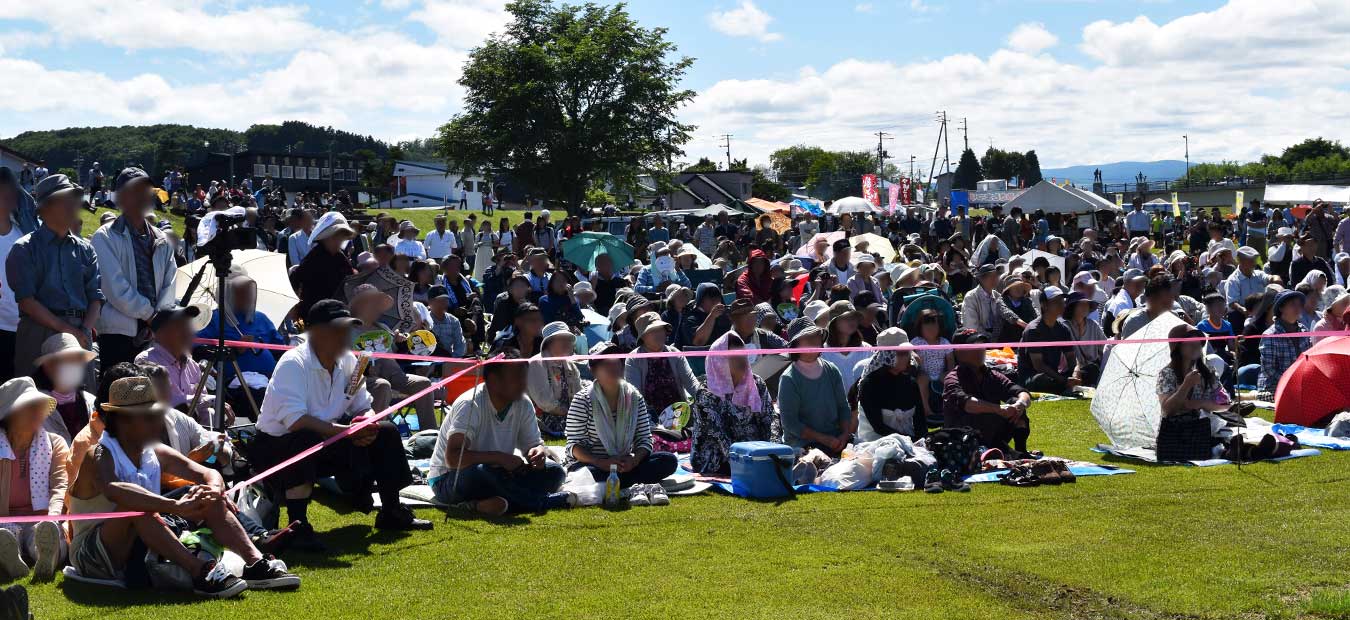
x,y
1186,139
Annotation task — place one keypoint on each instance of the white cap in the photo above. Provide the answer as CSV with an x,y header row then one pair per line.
x,y
1247,251
1052,292
1084,277
815,308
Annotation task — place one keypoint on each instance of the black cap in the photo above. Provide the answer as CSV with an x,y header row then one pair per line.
x,y
841,245
969,336
169,315
985,269
128,176
330,312
437,292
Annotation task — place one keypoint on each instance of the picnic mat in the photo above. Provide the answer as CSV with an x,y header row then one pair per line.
x,y
1080,470
1313,437
1149,456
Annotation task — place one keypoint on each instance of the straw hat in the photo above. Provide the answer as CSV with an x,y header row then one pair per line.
x,y
21,392
648,322
556,329
61,345
133,395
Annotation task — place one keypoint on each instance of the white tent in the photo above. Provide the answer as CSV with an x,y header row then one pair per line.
x,y
1306,194
1051,198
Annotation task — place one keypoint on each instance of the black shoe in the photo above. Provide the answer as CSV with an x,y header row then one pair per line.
x,y
400,518
276,541
215,581
269,573
303,538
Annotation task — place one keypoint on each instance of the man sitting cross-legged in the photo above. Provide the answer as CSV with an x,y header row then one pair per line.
x,y
475,460
109,480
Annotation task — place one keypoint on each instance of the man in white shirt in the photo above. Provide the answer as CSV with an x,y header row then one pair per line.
x,y
408,245
317,391
1123,301
1139,222
489,454
441,242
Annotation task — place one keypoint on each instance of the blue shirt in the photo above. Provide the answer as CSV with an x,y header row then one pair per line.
x,y
60,272
261,361
143,246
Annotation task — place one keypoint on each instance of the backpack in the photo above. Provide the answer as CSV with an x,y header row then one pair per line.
x,y
956,449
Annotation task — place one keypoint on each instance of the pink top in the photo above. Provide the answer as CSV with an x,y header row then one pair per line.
x,y
20,493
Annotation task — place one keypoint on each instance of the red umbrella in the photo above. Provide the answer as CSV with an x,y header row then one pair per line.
x,y
1317,385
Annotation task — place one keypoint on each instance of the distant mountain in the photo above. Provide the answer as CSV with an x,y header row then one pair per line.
x,y
1120,172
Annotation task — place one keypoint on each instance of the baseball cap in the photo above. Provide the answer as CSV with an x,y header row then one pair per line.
x,y
330,312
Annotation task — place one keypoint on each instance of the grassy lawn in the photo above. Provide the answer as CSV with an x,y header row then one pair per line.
x,y
423,219
1167,542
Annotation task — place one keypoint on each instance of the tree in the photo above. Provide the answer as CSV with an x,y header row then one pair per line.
x,y
1031,169
567,96
1000,164
793,164
1313,148
967,171
764,187
703,165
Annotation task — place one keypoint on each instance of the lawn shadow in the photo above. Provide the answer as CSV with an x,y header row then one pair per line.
x,y
93,595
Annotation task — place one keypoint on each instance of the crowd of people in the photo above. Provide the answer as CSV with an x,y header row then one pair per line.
x,y
102,406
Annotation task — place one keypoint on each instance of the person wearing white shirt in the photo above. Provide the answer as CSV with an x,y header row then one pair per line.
x,y
1124,300
489,453
1139,222
317,392
408,245
441,242
9,308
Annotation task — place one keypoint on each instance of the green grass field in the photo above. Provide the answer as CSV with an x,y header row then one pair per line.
x,y
1168,542
423,219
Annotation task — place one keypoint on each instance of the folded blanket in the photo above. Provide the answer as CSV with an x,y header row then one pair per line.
x,y
1149,456
1313,437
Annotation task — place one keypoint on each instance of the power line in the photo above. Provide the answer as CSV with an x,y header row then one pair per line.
x,y
726,137
881,152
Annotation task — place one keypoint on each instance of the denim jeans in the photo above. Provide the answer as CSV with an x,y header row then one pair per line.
x,y
525,490
1247,375
652,470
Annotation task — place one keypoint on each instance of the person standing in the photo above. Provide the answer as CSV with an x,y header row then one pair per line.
x,y
441,242
137,269
54,275
10,195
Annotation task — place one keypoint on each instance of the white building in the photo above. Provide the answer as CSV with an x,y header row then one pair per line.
x,y
14,160
429,184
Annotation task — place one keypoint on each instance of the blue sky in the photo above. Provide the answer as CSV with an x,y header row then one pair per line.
x,y
1080,81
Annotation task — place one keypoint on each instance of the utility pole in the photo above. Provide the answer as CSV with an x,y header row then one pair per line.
x,y
1186,138
965,133
941,117
881,152
330,165
726,143
911,166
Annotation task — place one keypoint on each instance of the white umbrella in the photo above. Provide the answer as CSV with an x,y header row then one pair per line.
x,y
1055,261
268,269
852,204
1126,404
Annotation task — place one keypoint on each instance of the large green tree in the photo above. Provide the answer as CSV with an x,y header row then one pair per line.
x,y
1031,169
967,171
566,96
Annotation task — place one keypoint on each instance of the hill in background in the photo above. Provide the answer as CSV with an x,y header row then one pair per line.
x,y
1120,172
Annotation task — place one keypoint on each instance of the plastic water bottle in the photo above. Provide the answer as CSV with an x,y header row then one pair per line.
x,y
613,493
404,430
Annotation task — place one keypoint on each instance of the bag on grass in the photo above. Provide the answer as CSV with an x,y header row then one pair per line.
x,y
956,449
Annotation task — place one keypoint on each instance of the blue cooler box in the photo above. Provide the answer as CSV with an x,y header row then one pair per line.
x,y
761,469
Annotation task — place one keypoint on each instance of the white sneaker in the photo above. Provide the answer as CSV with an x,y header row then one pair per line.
x,y
637,495
12,565
47,539
656,494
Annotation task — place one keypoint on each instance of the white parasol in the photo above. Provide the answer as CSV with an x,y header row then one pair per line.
x,y
268,270
852,204
1126,404
1055,261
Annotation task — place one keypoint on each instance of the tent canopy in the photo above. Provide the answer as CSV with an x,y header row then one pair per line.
x,y
768,206
1051,198
1306,194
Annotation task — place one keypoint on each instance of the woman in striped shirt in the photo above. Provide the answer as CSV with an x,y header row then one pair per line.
x,y
607,424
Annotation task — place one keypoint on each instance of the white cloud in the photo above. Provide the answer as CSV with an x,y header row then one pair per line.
x,y
462,23
205,25
865,7
919,6
1254,84
746,20
1031,38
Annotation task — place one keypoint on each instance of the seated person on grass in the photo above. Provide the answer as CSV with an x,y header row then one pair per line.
x,y
1049,369
978,397
811,400
608,425
317,393
1278,354
385,377
1187,390
489,456
33,480
172,349
110,481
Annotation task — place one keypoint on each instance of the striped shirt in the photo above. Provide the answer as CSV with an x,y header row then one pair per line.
x,y
581,430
